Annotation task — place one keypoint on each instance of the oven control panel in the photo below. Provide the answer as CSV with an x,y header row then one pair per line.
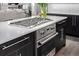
x,y
45,31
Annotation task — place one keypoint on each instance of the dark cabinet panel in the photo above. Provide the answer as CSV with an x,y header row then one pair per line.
x,y
15,53
69,28
77,26
61,41
27,50
23,45
73,26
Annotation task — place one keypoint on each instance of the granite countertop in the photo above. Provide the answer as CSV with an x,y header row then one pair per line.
x,y
9,32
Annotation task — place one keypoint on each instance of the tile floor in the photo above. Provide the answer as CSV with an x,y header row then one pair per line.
x,y
71,48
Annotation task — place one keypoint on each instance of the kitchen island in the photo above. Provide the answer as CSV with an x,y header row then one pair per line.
x,y
10,32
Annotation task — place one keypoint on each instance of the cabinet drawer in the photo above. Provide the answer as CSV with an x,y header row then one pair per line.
x,y
61,24
15,44
26,50
14,53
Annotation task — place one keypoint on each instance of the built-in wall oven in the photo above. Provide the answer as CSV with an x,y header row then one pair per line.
x,y
45,40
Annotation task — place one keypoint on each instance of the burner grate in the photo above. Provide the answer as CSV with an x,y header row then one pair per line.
x,y
31,22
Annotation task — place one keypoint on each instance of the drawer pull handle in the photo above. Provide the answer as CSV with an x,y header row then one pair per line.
x,y
48,39
5,47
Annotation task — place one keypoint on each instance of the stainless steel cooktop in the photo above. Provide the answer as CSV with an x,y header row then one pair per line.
x,y
31,22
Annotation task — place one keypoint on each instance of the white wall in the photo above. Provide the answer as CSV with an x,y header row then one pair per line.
x,y
35,9
4,6
6,14
63,7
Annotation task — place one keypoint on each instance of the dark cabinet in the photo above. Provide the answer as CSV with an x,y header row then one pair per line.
x,y
15,53
77,26
69,28
27,50
73,26
61,41
21,46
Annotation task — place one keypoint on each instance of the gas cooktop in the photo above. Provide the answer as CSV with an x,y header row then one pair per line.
x,y
31,22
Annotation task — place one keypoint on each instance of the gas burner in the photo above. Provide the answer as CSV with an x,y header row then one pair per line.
x,y
31,22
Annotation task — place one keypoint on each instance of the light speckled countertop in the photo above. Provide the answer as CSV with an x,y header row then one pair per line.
x,y
9,32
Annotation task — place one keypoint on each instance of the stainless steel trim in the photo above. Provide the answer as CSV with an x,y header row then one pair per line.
x,y
43,42
62,22
5,47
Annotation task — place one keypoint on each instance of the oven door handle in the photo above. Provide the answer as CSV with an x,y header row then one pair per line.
x,y
43,42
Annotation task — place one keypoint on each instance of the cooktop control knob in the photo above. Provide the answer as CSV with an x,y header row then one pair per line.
x,y
47,29
42,32
51,27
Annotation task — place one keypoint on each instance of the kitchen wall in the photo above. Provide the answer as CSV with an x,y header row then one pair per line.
x,y
4,6
14,13
35,9
63,8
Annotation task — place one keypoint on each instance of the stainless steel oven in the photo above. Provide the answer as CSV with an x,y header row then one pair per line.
x,y
46,45
45,40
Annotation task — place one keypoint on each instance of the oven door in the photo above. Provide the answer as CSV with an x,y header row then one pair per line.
x,y
47,45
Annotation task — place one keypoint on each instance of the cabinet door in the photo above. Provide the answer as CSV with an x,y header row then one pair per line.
x,y
9,47
72,28
77,21
15,53
69,28
77,26
61,37
61,41
27,50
